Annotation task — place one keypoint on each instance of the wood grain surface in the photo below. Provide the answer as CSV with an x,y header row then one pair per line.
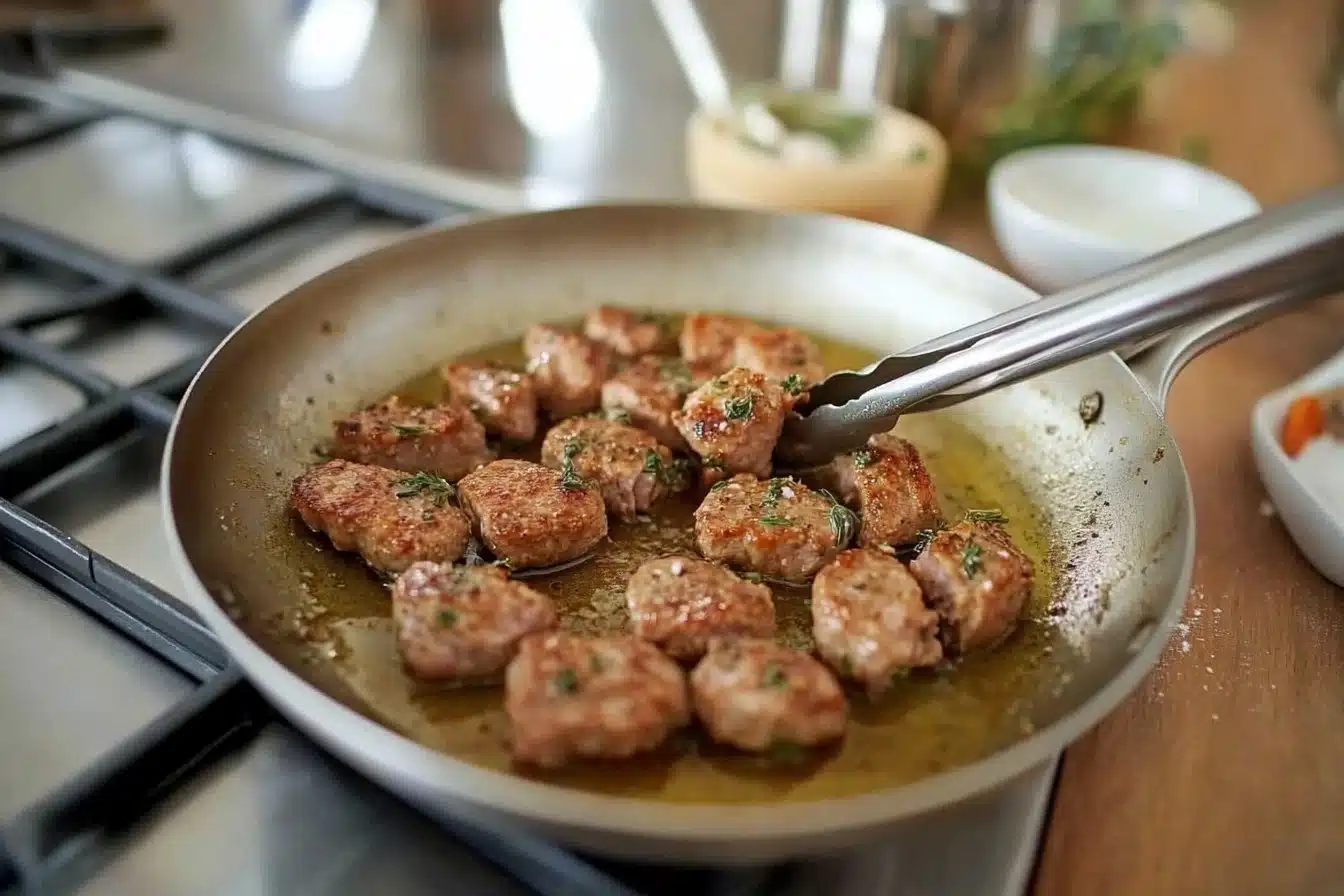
x,y
1224,773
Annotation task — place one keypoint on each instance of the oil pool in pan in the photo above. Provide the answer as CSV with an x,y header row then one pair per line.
x,y
930,723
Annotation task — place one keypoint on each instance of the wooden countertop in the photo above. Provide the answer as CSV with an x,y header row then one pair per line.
x,y
1223,772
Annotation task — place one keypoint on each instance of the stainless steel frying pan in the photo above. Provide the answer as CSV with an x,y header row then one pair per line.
x,y
1115,494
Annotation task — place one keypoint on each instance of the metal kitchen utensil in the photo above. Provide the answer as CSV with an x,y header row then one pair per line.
x,y
1289,254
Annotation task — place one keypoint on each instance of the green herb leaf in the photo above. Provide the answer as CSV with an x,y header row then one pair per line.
x,y
775,677
863,457
774,520
917,155
987,516
774,490
566,681
792,384
409,429
844,522
718,485
570,478
970,559
653,463
447,618
427,484
573,446
737,408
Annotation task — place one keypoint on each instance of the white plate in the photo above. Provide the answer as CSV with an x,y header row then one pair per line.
x,y
1318,531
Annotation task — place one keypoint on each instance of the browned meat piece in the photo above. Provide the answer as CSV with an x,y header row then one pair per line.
x,y
869,619
627,333
781,353
649,392
463,622
756,695
891,489
532,516
391,518
568,370
680,604
977,580
779,528
504,400
632,470
733,422
445,440
569,696
709,339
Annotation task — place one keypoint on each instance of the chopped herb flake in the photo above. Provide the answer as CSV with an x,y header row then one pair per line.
x,y
792,384
566,681
917,155
409,429
970,559
775,677
427,484
771,519
844,523
573,446
993,515
863,457
570,478
720,484
447,618
737,408
653,463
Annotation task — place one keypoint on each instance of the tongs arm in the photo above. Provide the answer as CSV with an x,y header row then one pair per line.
x,y
1288,254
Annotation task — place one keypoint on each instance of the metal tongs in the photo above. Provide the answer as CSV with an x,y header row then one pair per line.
x,y
1266,264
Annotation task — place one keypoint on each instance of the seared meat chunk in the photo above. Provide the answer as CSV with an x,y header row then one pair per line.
x,y
569,696
977,580
567,368
680,604
891,489
780,528
710,339
445,440
504,400
627,333
463,622
628,465
531,516
649,392
781,353
755,694
869,619
733,422
391,518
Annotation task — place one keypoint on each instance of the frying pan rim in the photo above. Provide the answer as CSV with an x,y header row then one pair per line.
x,y
371,746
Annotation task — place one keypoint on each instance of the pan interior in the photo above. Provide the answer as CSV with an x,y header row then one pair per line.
x,y
1095,505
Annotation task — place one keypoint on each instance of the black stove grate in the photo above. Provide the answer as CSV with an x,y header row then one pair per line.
x,y
44,842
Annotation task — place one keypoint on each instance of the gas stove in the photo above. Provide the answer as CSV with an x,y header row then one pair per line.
x,y
134,758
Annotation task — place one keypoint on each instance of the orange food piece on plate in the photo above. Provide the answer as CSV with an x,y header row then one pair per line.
x,y
1304,421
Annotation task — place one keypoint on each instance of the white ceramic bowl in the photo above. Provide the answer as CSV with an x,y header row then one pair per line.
x,y
1318,531
1064,214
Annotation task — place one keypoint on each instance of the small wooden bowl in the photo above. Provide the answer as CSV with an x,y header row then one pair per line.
x,y
898,181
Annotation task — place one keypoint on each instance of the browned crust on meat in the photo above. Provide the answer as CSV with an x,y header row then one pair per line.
x,y
445,439
680,603
358,507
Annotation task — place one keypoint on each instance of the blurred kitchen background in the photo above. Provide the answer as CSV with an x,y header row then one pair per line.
x,y
584,98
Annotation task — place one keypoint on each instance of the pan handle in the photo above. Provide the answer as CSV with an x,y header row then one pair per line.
x,y
1157,366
